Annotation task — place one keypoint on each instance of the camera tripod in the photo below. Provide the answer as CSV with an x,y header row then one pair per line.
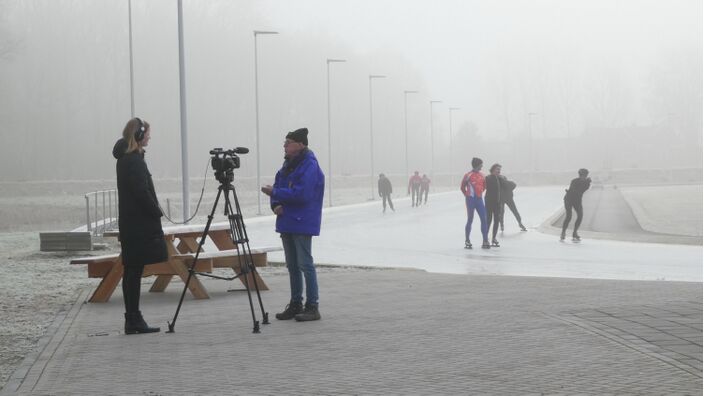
x,y
238,235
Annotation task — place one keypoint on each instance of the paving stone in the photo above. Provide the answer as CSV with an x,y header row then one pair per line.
x,y
390,332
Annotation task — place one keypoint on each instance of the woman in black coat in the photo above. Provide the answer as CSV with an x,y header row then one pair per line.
x,y
141,235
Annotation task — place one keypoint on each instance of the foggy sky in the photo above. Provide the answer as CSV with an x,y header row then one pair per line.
x,y
579,66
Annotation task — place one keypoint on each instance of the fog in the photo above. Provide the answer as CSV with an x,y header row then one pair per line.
x,y
540,85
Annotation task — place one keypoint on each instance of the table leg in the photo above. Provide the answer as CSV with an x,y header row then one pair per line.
x,y
195,286
260,282
160,283
222,240
251,277
187,245
107,286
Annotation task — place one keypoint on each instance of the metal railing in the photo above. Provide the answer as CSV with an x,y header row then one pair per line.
x,y
105,213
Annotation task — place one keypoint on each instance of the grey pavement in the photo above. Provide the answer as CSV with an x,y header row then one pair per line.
x,y
390,332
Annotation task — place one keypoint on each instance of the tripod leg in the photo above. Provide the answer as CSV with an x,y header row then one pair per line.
x,y
234,219
172,324
242,232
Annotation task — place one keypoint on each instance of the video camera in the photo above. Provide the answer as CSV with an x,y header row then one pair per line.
x,y
225,161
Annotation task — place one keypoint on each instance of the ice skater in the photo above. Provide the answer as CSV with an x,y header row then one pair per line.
x,y
472,188
414,189
507,196
424,189
385,191
493,200
573,200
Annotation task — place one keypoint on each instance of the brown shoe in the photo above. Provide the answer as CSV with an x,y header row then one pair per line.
x,y
309,313
292,309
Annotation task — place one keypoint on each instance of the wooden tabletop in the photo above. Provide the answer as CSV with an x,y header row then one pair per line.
x,y
181,229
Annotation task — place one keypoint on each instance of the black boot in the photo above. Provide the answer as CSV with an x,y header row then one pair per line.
x,y
292,309
309,313
135,324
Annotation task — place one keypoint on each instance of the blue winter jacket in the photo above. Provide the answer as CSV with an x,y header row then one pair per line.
x,y
299,188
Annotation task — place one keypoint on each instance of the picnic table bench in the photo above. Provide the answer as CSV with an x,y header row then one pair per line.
x,y
180,257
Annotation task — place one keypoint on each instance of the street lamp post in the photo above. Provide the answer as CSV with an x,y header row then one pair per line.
x,y
371,130
531,159
432,140
184,119
256,110
129,17
450,110
329,61
405,120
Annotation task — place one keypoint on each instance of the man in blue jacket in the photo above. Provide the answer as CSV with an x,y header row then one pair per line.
x,y
297,201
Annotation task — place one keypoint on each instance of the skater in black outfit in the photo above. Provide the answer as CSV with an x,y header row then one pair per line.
x,y
573,199
424,188
385,191
507,196
493,200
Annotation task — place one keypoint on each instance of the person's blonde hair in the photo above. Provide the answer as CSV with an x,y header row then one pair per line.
x,y
128,134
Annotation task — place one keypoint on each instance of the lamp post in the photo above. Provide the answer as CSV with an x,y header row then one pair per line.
x,y
531,159
329,61
256,110
450,110
129,23
184,121
371,130
405,120
432,140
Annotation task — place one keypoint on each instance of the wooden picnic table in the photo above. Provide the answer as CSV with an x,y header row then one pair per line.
x,y
182,243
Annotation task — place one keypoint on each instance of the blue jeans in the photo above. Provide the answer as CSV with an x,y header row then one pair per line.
x,y
476,203
299,261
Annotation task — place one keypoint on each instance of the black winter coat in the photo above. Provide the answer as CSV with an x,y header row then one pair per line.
x,y
507,187
494,186
141,235
384,186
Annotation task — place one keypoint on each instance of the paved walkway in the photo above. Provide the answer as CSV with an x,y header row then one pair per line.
x,y
390,332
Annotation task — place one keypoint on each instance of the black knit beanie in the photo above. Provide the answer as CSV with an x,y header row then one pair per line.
x,y
299,135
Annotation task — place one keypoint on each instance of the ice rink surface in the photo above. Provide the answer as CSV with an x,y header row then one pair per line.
x,y
431,237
